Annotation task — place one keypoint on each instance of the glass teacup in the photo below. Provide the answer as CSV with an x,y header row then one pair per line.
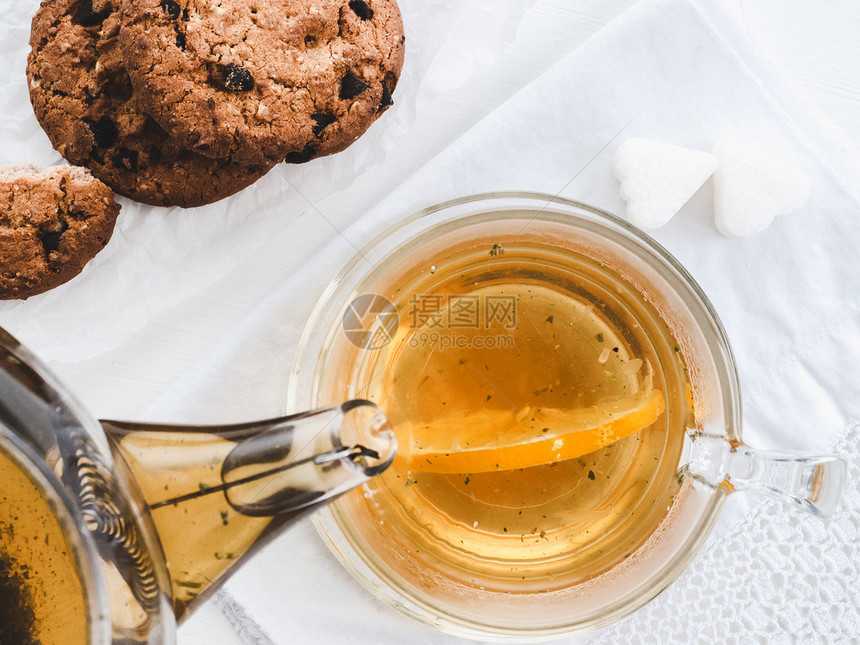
x,y
601,353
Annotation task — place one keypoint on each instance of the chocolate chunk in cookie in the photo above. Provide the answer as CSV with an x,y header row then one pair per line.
x,y
244,79
52,222
361,9
84,100
321,122
302,156
351,86
88,16
233,78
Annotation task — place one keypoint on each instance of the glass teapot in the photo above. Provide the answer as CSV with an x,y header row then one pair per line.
x,y
111,532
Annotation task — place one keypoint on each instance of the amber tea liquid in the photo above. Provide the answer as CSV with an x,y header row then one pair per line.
x,y
520,326
42,599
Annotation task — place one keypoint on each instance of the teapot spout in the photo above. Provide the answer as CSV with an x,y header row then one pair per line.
x,y
300,462
217,494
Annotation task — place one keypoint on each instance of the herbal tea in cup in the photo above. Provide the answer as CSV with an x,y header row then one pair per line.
x,y
528,395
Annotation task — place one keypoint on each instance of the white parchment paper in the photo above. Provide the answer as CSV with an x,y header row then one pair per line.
x,y
160,256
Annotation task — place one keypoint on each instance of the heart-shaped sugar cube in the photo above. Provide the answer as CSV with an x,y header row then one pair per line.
x,y
752,186
658,178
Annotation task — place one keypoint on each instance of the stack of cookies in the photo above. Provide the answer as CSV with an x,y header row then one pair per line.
x,y
184,102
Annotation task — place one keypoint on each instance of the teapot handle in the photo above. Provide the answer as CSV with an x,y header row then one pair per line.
x,y
813,482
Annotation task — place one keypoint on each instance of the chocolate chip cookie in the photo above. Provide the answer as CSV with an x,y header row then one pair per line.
x,y
260,81
83,99
52,222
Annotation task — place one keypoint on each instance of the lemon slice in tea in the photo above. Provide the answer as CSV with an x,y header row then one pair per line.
x,y
494,440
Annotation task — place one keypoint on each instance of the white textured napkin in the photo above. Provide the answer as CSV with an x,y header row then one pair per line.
x,y
680,71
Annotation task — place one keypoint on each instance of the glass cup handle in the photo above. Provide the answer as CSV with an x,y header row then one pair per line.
x,y
814,482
